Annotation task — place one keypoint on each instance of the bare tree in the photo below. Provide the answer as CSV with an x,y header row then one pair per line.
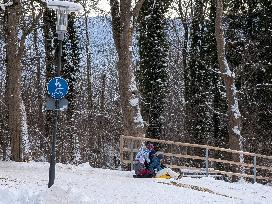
x,y
228,76
14,51
13,94
122,13
89,59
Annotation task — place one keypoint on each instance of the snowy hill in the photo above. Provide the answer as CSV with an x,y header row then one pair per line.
x,y
26,183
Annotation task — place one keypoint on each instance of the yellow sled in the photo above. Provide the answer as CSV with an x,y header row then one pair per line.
x,y
165,176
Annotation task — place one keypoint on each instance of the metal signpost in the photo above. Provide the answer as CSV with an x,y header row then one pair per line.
x,y
58,87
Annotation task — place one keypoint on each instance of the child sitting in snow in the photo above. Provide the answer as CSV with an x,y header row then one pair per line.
x,y
155,161
142,161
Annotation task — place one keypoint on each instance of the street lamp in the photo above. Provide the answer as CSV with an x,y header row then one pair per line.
x,y
63,8
58,87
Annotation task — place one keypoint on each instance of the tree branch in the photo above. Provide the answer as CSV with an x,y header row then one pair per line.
x,y
4,5
116,25
27,32
42,2
137,8
216,112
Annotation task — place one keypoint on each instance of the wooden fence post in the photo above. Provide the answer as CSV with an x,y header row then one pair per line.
x,y
131,155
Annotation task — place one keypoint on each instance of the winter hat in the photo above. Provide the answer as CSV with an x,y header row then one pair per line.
x,y
150,146
159,154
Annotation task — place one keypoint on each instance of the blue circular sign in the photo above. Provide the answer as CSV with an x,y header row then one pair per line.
x,y
57,88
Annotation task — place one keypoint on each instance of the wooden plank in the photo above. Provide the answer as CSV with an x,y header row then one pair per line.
x,y
125,149
128,162
264,167
231,162
182,167
231,173
185,156
240,164
264,178
239,152
241,175
202,175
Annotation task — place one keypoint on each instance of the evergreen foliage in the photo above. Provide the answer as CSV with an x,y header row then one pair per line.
x,y
249,50
70,72
198,122
152,76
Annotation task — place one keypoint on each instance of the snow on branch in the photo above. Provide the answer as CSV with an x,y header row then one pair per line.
x,y
3,6
24,132
214,111
228,72
133,86
235,107
236,130
139,120
134,102
3,103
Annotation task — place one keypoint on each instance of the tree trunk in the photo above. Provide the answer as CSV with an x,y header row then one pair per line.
x,y
234,122
13,94
15,48
122,14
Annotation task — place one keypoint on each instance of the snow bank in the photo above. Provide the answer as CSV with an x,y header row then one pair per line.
x,y
26,183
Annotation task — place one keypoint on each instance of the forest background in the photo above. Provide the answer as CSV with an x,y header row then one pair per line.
x,y
175,63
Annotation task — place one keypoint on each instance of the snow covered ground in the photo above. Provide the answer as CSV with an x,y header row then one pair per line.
x,y
26,183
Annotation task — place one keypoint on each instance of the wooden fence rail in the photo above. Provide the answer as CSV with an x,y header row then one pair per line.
x,y
127,144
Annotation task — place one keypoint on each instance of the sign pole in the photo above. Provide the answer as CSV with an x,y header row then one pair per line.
x,y
58,87
58,68
56,114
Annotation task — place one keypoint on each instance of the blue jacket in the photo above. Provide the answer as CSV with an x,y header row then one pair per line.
x,y
155,164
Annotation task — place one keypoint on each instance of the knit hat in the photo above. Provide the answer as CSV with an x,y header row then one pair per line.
x,y
159,154
150,146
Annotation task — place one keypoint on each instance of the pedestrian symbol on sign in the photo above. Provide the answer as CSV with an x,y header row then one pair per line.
x,y
57,88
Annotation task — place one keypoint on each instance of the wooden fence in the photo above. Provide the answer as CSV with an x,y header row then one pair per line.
x,y
130,145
